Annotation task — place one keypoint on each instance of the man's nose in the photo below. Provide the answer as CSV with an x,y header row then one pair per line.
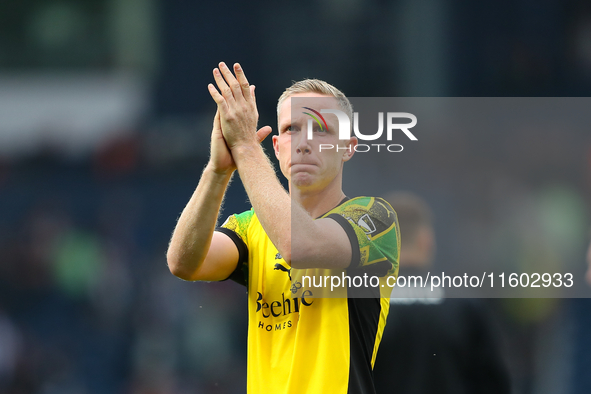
x,y
301,143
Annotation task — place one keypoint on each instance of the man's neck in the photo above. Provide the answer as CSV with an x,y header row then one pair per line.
x,y
317,203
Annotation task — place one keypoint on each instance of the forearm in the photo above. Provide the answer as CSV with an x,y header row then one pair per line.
x,y
270,200
192,235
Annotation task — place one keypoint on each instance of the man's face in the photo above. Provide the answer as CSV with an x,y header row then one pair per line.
x,y
302,161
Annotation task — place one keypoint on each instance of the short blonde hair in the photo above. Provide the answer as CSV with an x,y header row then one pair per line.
x,y
320,87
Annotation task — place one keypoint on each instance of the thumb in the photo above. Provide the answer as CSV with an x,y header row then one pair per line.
x,y
252,88
263,132
216,121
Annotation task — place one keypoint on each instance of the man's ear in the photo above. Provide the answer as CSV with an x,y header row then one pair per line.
x,y
276,146
350,148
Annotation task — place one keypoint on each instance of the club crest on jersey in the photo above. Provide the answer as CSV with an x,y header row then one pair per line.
x,y
366,224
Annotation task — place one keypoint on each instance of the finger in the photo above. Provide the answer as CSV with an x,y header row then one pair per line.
x,y
254,97
222,85
244,85
231,81
263,132
216,96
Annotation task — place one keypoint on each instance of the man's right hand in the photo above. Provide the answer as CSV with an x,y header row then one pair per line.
x,y
220,158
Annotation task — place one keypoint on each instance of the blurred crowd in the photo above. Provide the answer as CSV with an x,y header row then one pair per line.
x,y
87,304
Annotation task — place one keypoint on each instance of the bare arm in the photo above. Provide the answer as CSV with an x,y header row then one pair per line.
x,y
191,241
196,252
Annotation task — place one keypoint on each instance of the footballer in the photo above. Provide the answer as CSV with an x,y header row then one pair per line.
x,y
298,341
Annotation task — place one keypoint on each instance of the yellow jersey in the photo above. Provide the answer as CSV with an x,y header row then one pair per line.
x,y
302,343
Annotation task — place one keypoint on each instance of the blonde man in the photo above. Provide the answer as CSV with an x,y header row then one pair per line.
x,y
298,342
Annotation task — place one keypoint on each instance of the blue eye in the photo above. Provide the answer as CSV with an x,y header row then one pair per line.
x,y
291,129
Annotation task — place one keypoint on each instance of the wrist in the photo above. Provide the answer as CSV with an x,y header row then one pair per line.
x,y
218,174
246,150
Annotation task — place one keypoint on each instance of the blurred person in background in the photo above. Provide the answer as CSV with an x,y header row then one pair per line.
x,y
10,350
581,380
589,263
434,345
298,342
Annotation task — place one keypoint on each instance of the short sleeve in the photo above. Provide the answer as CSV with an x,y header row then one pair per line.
x,y
372,227
236,228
